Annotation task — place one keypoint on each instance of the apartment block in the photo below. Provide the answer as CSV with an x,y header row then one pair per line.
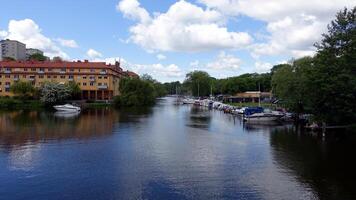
x,y
13,49
97,80
31,51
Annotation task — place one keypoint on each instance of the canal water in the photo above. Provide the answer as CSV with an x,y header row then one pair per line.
x,y
168,152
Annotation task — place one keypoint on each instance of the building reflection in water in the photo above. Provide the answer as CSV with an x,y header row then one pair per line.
x,y
21,128
328,165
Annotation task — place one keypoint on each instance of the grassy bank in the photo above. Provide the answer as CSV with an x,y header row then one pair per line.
x,y
18,104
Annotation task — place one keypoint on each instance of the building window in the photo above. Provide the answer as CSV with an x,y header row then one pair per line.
x,y
71,70
23,76
91,84
100,77
33,69
48,76
84,84
84,77
92,70
25,69
49,69
99,84
63,77
7,89
105,77
7,76
54,76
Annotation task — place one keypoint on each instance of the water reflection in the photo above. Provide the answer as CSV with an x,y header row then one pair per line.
x,y
19,128
326,165
167,152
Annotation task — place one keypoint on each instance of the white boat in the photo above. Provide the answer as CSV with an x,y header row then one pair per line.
x,y
188,101
263,117
67,108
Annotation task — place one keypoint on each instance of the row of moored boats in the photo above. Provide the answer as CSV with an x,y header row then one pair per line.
x,y
255,114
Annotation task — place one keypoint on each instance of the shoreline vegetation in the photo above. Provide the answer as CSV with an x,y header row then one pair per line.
x,y
323,85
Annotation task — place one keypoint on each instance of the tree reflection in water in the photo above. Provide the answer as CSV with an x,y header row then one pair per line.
x,y
327,165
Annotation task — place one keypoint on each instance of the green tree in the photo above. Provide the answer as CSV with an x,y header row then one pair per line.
x,y
135,92
37,57
199,83
334,77
74,89
52,93
22,89
9,59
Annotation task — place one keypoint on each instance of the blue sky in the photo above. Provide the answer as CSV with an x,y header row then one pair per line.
x,y
168,38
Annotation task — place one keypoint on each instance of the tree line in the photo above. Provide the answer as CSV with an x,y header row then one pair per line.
x,y
323,85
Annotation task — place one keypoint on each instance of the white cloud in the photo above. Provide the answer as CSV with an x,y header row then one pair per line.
x,y
262,67
161,57
184,27
3,34
225,62
131,9
293,26
28,32
94,54
158,71
67,43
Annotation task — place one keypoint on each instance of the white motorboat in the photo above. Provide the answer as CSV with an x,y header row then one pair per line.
x,y
263,117
67,108
258,114
188,101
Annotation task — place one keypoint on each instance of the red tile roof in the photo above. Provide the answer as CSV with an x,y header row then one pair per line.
x,y
61,64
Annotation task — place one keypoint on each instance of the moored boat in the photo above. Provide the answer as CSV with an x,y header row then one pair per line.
x,y
67,108
258,115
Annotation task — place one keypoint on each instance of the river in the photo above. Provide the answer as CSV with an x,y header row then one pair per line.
x,y
168,152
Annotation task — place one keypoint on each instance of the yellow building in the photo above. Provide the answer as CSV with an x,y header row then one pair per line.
x,y
97,80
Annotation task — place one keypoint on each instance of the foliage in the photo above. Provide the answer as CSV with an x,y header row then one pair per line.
x,y
135,92
74,89
52,93
199,83
326,84
22,89
13,103
291,84
9,59
37,57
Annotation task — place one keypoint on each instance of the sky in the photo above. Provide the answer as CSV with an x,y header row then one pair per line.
x,y
169,38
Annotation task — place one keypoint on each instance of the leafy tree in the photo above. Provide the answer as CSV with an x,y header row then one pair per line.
x,y
37,57
52,93
74,89
135,92
334,77
9,59
22,89
199,83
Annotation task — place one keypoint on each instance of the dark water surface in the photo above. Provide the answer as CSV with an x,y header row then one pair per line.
x,y
168,152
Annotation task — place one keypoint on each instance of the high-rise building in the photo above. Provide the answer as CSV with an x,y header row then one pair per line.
x,y
31,51
12,49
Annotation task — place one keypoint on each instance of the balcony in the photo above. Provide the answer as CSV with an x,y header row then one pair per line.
x,y
92,79
102,87
62,72
41,72
71,79
7,86
103,72
7,71
16,78
31,78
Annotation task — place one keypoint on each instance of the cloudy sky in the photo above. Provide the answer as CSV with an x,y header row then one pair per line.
x,y
168,38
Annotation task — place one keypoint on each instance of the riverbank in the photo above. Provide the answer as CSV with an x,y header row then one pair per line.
x,y
7,103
